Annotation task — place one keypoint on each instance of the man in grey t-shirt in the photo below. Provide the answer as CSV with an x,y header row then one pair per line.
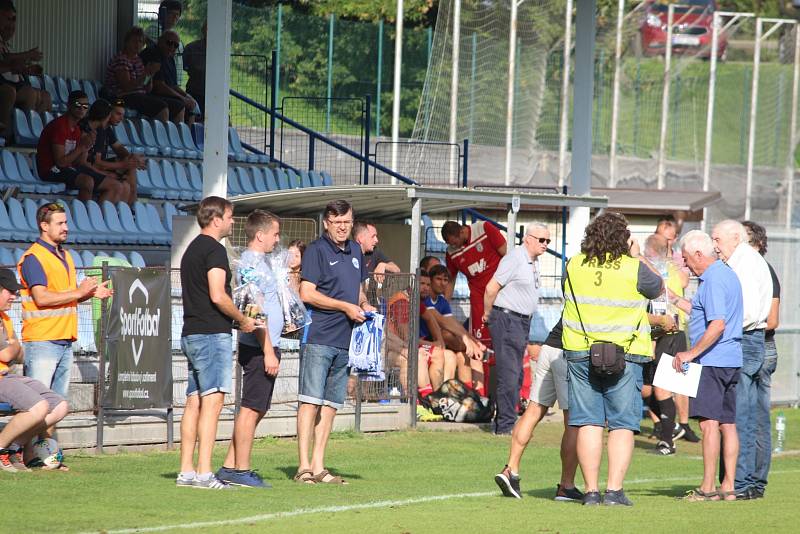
x,y
509,302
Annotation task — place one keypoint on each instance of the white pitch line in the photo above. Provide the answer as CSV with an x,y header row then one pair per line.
x,y
363,506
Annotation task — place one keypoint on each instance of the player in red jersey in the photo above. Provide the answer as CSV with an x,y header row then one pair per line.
x,y
474,250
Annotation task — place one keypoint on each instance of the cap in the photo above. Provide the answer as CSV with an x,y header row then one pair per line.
x,y
8,280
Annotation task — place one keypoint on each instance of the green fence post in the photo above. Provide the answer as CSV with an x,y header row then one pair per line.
x,y
744,123
329,92
277,65
637,101
778,116
380,75
676,124
472,84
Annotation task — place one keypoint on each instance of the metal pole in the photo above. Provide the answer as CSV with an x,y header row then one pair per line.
x,y
398,63
101,366
277,66
273,103
790,162
357,415
612,157
512,66
751,138
662,143
454,90
472,85
511,224
416,225
465,165
368,104
712,85
565,74
329,91
380,76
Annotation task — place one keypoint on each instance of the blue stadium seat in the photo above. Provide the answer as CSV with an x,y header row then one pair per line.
x,y
77,260
187,191
164,227
122,137
144,186
245,181
327,179
282,179
195,178
145,225
50,86
22,130
27,177
163,139
74,85
150,139
21,223
6,259
170,211
112,221
48,118
149,145
95,230
188,141
305,179
235,146
63,90
316,179
101,224
259,182
234,186
156,179
36,124
87,257
18,252
168,172
119,256
88,88
129,223
29,207
198,133
35,81
269,178
136,259
177,143
294,180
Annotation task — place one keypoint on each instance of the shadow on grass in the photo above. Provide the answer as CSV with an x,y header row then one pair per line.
x,y
290,470
676,491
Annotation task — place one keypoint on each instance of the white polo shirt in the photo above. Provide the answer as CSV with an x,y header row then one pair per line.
x,y
756,280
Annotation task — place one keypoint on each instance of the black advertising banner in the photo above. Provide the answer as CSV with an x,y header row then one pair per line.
x,y
138,345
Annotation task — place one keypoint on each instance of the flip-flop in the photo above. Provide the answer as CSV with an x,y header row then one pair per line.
x,y
304,476
325,477
723,495
698,495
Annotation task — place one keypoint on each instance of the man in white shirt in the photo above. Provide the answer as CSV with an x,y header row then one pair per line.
x,y
731,243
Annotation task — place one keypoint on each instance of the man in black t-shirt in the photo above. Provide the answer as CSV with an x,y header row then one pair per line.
x,y
206,339
366,235
165,81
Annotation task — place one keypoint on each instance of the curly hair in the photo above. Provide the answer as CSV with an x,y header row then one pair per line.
x,y
606,238
757,236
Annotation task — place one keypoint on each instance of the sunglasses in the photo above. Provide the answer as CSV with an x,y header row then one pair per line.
x,y
119,103
542,240
53,206
173,44
80,105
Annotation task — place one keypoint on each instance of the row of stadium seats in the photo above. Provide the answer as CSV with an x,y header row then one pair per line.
x,y
83,258
174,180
59,89
90,222
16,169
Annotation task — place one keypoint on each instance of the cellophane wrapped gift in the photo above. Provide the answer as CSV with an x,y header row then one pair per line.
x,y
250,272
295,315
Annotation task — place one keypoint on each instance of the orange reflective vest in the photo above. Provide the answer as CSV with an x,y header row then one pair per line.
x,y
9,326
49,323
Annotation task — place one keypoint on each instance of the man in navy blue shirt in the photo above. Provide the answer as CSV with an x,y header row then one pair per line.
x,y
333,272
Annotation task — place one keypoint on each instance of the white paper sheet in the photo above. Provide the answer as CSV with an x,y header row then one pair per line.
x,y
682,383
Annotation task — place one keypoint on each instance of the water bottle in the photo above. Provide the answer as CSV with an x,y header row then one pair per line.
x,y
780,430
394,394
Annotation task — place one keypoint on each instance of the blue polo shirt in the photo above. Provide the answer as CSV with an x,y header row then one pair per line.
x,y
337,273
719,296
34,275
442,306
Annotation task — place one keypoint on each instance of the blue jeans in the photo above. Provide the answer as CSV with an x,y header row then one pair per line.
x,y
763,433
50,364
210,358
597,401
748,409
323,375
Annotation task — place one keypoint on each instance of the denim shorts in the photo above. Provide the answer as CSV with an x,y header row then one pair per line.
x,y
49,363
210,359
597,401
323,375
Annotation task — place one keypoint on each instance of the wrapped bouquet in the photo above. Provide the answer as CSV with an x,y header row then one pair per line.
x,y
295,315
252,272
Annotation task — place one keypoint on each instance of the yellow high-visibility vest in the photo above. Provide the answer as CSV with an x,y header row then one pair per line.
x,y
49,323
611,307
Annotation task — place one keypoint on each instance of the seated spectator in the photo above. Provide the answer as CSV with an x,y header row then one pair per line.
x,y
427,263
38,408
165,80
123,164
296,250
96,123
442,362
194,63
128,79
14,89
61,155
469,370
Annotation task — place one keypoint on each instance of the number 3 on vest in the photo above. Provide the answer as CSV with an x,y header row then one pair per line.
x,y
598,278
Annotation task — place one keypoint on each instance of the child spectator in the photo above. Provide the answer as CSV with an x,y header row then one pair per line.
x,y
296,250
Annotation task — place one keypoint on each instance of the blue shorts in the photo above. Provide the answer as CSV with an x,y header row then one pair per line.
x,y
716,395
210,359
323,375
597,401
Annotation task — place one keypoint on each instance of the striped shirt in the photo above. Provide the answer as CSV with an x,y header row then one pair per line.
x,y
132,65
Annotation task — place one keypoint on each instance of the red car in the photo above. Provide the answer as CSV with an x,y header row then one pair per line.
x,y
691,32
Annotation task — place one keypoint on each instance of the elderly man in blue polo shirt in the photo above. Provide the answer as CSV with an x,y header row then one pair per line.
x,y
715,331
333,272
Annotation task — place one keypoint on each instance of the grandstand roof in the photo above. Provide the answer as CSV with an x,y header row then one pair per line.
x,y
394,201
649,201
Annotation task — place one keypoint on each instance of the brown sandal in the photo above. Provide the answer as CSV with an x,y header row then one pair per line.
x,y
325,477
305,476
698,495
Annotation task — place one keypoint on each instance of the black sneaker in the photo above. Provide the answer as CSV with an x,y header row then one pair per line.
x,y
568,494
678,432
616,498
663,448
746,494
591,498
689,435
508,483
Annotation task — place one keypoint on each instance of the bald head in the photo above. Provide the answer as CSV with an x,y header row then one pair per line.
x,y
656,247
727,235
